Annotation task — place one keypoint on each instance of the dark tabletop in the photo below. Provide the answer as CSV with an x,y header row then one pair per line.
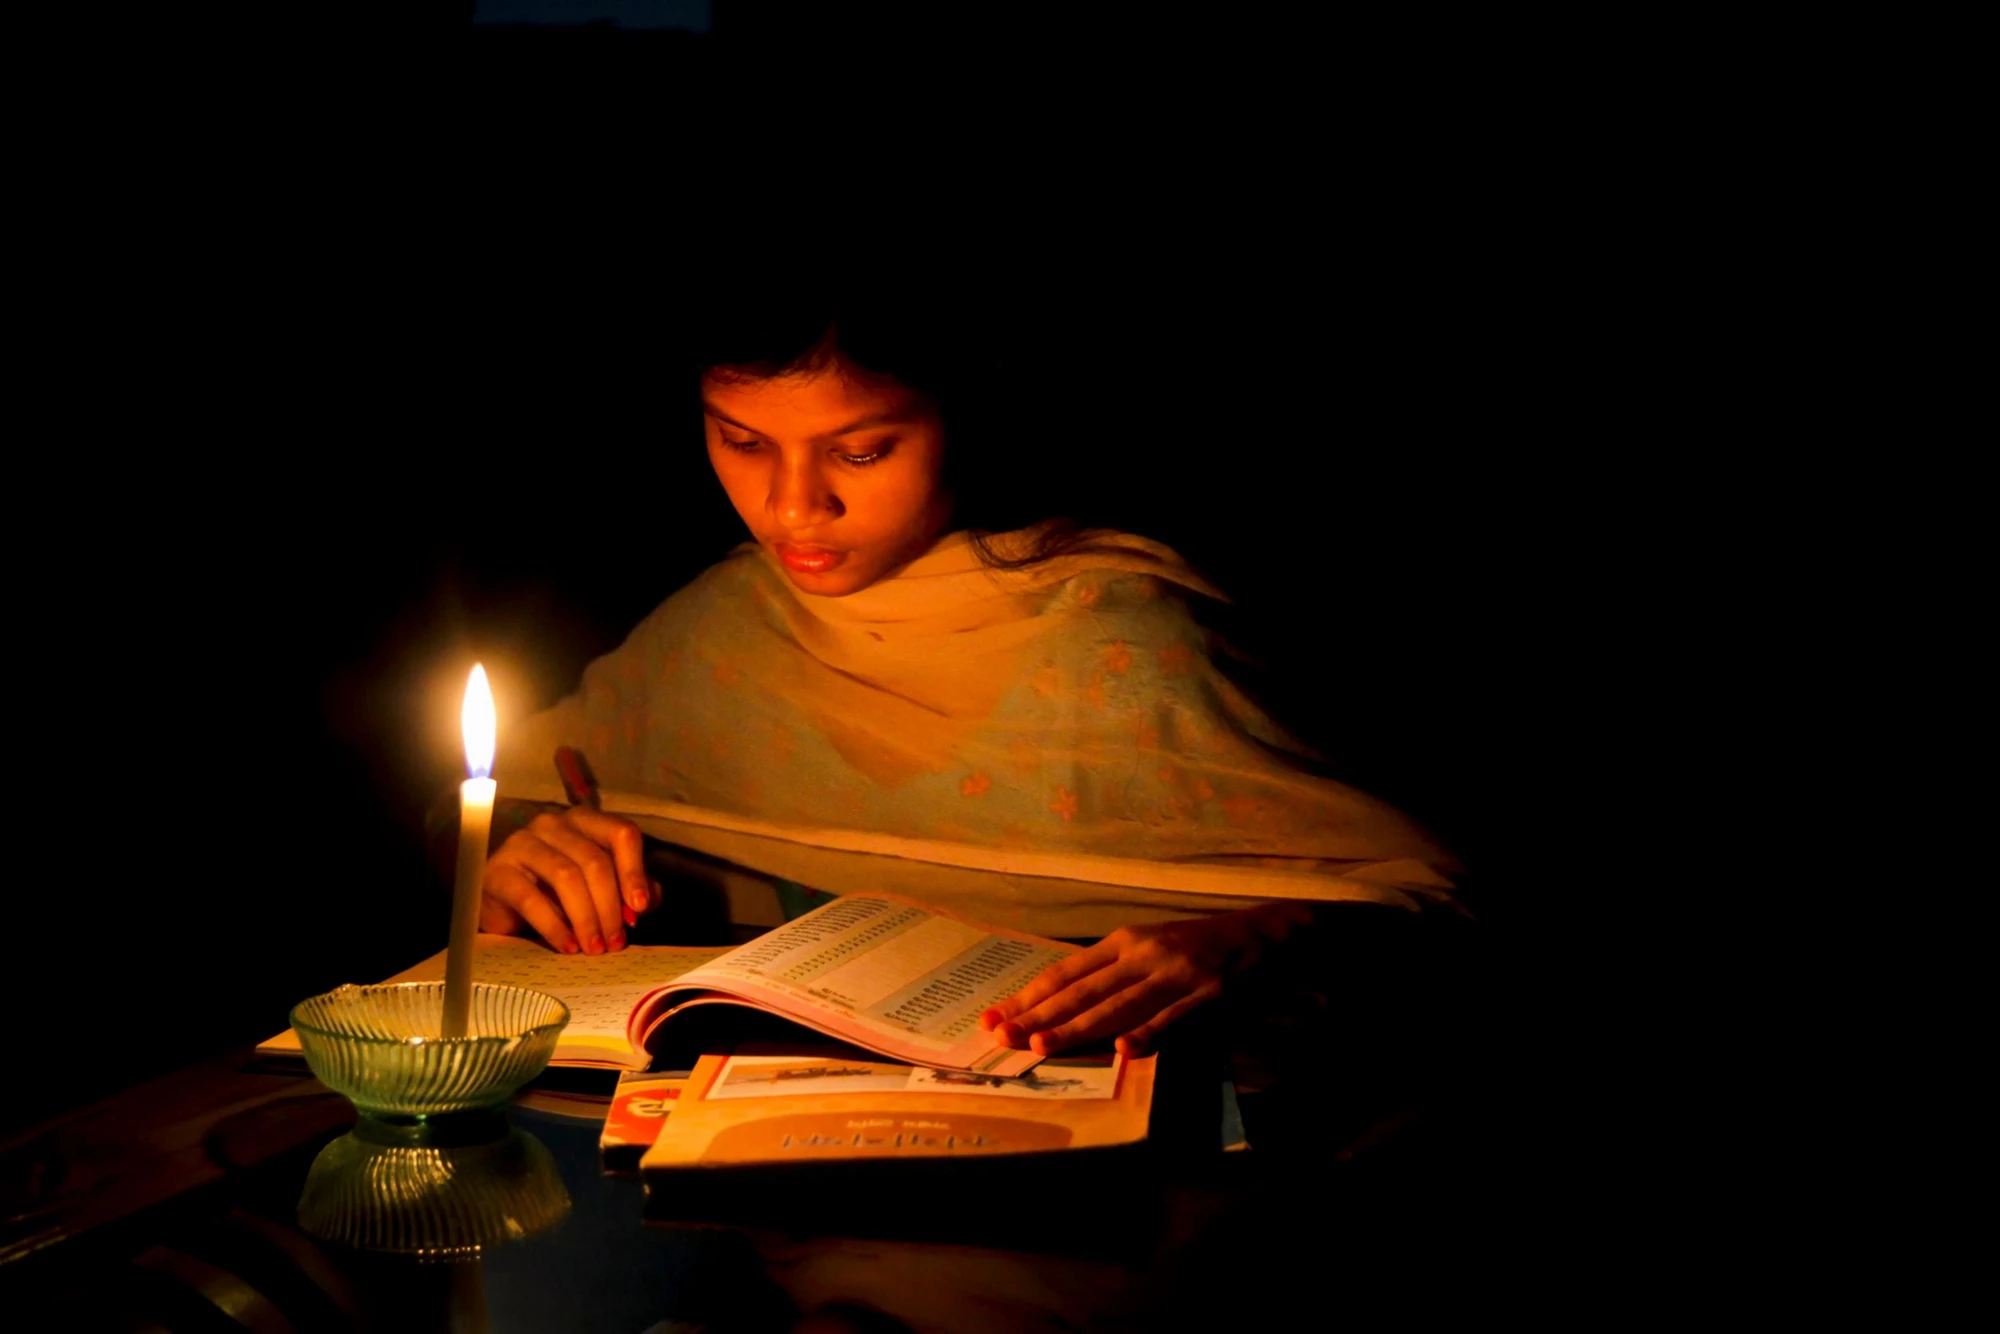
x,y
177,1205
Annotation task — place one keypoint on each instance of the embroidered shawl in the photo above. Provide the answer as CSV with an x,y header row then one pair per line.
x,y
1052,748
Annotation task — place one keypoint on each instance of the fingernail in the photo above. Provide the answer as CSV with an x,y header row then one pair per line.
x,y
595,945
631,918
616,942
569,947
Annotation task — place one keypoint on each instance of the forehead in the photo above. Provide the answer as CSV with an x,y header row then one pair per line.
x,y
810,404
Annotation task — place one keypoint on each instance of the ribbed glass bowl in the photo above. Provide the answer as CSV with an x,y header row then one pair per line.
x,y
379,1046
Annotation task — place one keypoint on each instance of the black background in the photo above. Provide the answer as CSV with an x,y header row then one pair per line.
x,y
353,386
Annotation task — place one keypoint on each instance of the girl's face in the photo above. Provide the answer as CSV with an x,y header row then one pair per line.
x,y
839,475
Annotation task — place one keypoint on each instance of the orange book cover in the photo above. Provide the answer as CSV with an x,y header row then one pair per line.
x,y
801,1105
640,1107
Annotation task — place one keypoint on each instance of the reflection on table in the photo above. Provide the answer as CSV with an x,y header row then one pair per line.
x,y
444,1191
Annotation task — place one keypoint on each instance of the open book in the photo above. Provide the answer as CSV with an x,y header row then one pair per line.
x,y
600,991
883,973
892,976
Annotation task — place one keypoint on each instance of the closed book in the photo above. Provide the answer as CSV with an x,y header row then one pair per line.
x,y
640,1106
832,1137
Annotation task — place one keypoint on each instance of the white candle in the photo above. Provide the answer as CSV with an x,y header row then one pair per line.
x,y
475,822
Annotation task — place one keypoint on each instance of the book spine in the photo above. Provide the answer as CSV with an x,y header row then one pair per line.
x,y
643,1102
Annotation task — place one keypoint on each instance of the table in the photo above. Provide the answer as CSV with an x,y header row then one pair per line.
x,y
175,1205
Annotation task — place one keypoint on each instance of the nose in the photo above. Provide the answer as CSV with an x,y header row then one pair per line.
x,y
802,495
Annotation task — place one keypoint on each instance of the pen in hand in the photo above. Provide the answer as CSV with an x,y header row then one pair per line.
x,y
580,786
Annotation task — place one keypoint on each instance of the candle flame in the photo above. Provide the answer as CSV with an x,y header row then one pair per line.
x,y
477,719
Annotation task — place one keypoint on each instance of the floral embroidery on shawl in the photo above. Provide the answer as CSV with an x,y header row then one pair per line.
x,y
1064,708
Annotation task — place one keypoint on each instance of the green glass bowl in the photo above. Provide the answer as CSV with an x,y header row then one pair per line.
x,y
379,1046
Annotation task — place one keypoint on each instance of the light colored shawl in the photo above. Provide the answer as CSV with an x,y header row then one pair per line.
x,y
1050,749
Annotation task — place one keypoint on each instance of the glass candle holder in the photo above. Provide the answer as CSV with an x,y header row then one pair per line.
x,y
379,1046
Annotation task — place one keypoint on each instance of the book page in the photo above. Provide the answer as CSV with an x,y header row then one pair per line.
x,y
600,989
900,977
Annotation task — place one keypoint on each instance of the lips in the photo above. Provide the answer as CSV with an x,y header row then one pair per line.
x,y
809,560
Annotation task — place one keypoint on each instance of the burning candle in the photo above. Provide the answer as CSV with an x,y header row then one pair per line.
x,y
475,822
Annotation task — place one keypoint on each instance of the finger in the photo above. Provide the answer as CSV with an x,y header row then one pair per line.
x,y
565,878
1049,981
628,852
600,875
1077,997
1140,1040
520,891
1115,1015
498,919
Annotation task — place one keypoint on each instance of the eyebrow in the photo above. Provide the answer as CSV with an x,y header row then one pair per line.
x,y
858,424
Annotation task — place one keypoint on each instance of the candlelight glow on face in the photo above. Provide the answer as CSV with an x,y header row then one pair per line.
x,y
838,473
477,720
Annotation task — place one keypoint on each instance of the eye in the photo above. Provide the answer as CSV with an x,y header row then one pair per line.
x,y
880,452
742,446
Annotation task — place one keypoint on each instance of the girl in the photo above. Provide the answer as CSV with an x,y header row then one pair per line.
x,y
896,655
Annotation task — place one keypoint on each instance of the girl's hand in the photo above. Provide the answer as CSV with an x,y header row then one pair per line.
x,y
573,876
1139,979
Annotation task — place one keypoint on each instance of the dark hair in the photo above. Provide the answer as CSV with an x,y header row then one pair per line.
x,y
944,339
